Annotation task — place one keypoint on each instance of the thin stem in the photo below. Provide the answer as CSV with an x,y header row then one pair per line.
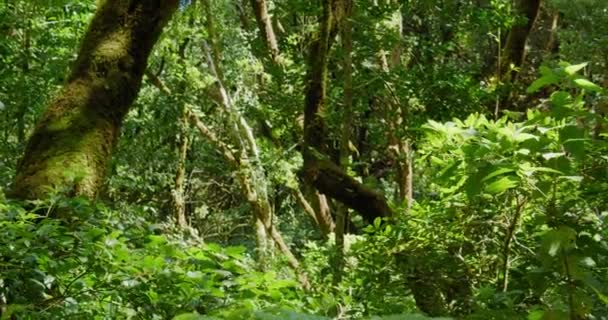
x,y
509,239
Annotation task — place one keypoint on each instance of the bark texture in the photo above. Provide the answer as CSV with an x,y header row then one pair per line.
x,y
346,33
318,205
178,192
319,170
514,50
72,144
260,8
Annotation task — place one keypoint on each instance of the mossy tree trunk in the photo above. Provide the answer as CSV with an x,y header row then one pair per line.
x,y
72,143
320,171
346,34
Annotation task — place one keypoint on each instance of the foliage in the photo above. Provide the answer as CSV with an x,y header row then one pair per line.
x,y
508,216
507,211
101,262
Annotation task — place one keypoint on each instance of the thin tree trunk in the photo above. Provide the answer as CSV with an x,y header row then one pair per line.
x,y
243,17
319,212
320,205
251,173
396,117
213,39
306,205
319,170
260,205
405,175
511,230
73,142
248,161
179,199
260,9
25,70
323,212
552,45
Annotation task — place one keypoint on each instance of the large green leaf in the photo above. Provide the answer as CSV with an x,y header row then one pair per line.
x,y
503,184
190,316
573,139
572,69
498,172
587,85
542,82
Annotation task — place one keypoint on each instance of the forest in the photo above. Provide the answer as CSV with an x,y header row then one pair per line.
x,y
304,159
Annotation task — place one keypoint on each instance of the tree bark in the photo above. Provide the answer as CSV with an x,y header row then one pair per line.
x,y
319,170
552,46
250,172
323,212
260,9
318,207
514,51
346,34
73,142
179,198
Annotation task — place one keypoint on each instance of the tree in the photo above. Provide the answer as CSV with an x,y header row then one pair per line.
x,y
514,51
81,125
320,171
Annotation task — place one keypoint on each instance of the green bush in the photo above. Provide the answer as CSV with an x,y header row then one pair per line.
x,y
101,263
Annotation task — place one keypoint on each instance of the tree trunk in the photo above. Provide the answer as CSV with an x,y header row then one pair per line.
x,y
552,46
260,8
318,209
323,212
72,144
25,70
347,120
319,170
246,158
514,51
179,198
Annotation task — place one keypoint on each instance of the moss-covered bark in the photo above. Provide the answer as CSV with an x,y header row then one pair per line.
x,y
319,170
72,144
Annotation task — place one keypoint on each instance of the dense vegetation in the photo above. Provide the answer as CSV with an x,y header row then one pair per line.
x,y
290,159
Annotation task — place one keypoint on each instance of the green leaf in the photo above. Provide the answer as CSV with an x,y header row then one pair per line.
x,y
536,314
448,171
600,295
555,240
502,185
542,82
561,99
573,139
573,178
498,172
377,222
188,316
587,85
544,70
235,251
571,70
551,155
527,170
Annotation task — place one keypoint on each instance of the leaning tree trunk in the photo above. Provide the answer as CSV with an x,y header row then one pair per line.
x,y
72,144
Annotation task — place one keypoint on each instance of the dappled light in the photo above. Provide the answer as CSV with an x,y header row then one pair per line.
x,y
288,159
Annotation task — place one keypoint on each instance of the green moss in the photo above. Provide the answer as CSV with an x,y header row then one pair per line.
x,y
72,144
